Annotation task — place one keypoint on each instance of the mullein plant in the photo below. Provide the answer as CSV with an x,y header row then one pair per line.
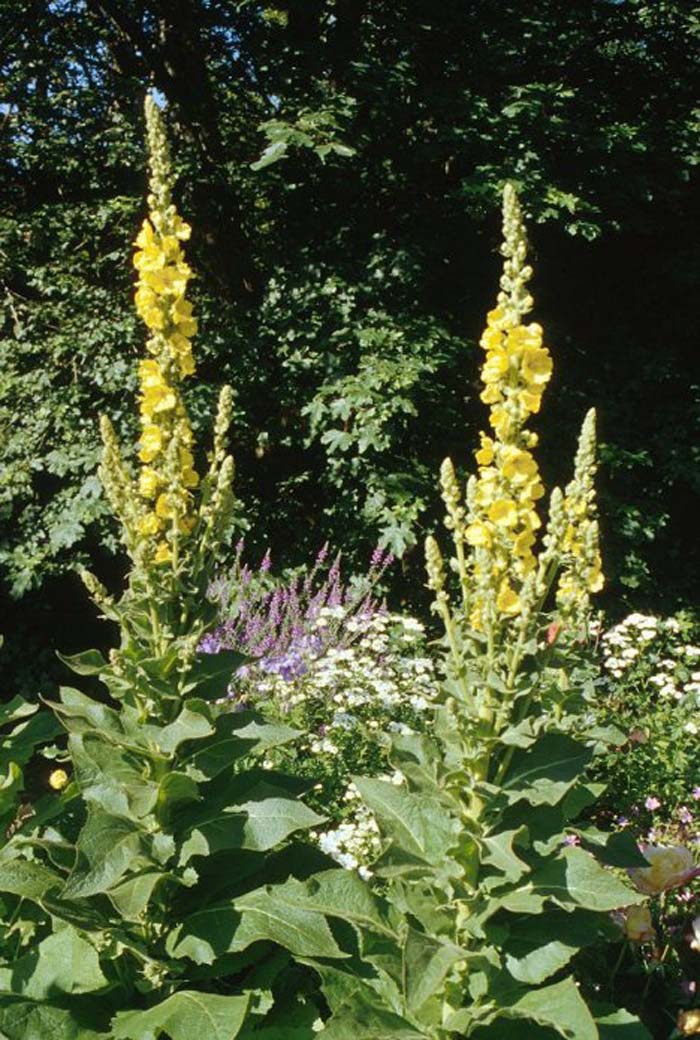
x,y
488,886
138,896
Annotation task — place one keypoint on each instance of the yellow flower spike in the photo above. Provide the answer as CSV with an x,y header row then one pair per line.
x,y
161,302
579,537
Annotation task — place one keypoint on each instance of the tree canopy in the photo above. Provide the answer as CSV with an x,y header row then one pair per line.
x,y
341,163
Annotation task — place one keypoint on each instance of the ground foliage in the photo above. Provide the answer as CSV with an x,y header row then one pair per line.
x,y
342,161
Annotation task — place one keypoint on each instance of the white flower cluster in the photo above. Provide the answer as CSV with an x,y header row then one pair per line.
x,y
381,669
635,639
376,683
623,644
355,842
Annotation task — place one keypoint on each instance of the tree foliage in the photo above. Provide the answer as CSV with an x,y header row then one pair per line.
x,y
342,161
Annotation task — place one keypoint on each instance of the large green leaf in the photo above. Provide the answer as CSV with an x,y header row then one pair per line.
x,y
111,777
559,1007
419,828
499,853
211,674
193,723
545,772
187,1015
265,914
131,896
236,734
537,947
339,893
80,712
619,1025
89,662
359,1012
426,963
28,1020
574,878
61,963
107,847
27,734
258,824
27,878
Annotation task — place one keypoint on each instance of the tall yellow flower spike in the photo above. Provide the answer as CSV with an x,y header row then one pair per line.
x,y
502,517
582,573
167,472
495,527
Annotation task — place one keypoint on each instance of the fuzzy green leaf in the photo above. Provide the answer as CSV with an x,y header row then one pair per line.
x,y
131,897
236,735
544,773
538,947
560,1006
27,878
27,1020
89,662
574,878
184,1016
419,828
211,674
61,963
107,847
264,914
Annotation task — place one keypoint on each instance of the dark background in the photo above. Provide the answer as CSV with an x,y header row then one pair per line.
x,y
343,282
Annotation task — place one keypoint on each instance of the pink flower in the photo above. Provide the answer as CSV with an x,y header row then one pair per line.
x,y
652,802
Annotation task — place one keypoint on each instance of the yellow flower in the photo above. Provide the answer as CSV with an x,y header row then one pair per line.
x,y
478,534
638,925
518,464
157,399
164,506
151,443
58,779
536,365
181,315
180,228
530,400
523,543
596,580
501,422
148,482
495,317
163,553
688,1022
507,601
484,456
669,867
190,478
186,364
491,395
149,524
495,366
149,373
504,513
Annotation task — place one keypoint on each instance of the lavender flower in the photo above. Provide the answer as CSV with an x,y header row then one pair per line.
x,y
285,626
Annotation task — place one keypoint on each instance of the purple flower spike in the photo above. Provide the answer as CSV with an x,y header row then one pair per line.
x,y
288,625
